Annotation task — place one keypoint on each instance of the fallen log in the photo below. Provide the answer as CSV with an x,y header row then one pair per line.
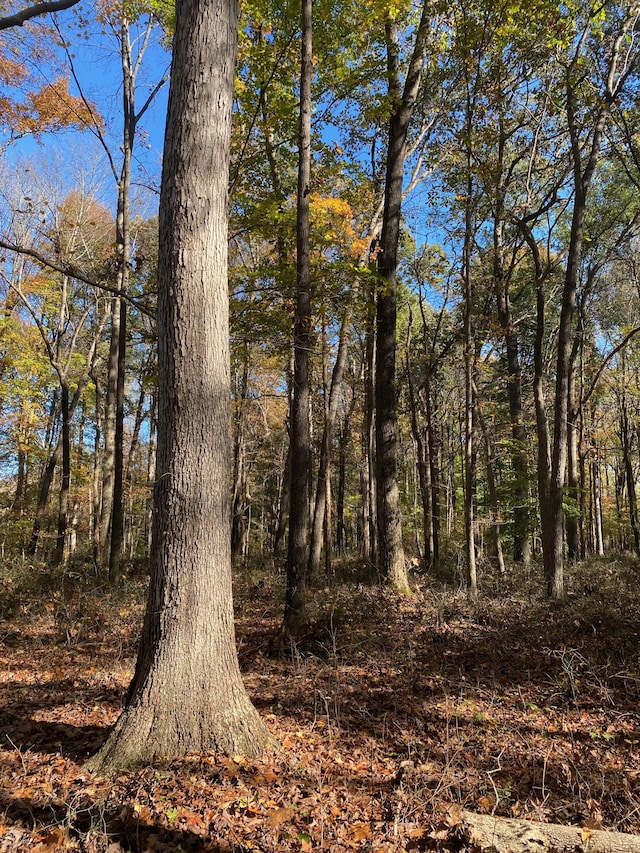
x,y
510,835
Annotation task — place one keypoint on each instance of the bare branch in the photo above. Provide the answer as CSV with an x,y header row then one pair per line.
x,y
74,272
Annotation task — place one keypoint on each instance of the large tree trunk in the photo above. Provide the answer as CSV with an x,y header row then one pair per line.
x,y
187,692
391,559
297,552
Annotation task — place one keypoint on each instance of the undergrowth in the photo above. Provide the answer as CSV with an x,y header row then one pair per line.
x,y
389,710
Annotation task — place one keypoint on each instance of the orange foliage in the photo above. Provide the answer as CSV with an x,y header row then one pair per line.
x,y
29,106
11,72
53,108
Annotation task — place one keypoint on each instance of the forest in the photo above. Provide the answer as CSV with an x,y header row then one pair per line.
x,y
319,425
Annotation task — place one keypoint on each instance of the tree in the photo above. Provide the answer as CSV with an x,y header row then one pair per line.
x,y
120,18
402,98
187,692
611,41
300,471
18,19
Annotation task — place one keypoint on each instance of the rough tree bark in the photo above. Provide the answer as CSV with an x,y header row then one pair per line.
x,y
187,692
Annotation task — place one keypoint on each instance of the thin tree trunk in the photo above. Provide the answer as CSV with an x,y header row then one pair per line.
x,y
434,473
109,437
129,467
96,481
496,524
630,480
320,520
521,532
470,440
65,481
424,478
368,473
49,470
341,529
240,506
151,465
283,506
573,474
123,253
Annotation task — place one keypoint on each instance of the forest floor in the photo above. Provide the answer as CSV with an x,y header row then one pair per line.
x,y
394,712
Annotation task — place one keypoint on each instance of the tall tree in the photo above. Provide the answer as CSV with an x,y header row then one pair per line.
x,y
120,18
187,691
606,40
402,100
298,553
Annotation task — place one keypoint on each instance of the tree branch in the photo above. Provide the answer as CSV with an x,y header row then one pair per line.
x,y
20,18
74,272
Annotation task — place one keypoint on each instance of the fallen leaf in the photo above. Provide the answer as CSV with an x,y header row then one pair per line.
x,y
281,815
360,831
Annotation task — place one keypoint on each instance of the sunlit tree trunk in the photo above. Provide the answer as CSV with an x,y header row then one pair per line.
x,y
187,692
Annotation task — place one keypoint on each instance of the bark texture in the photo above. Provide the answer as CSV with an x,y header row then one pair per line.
x,y
187,692
503,835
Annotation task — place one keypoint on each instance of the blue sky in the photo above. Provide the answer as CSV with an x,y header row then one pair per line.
x,y
96,71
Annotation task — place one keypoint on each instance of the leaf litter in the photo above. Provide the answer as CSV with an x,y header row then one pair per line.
x,y
392,713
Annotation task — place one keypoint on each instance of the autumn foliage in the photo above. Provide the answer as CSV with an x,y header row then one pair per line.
x,y
30,104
